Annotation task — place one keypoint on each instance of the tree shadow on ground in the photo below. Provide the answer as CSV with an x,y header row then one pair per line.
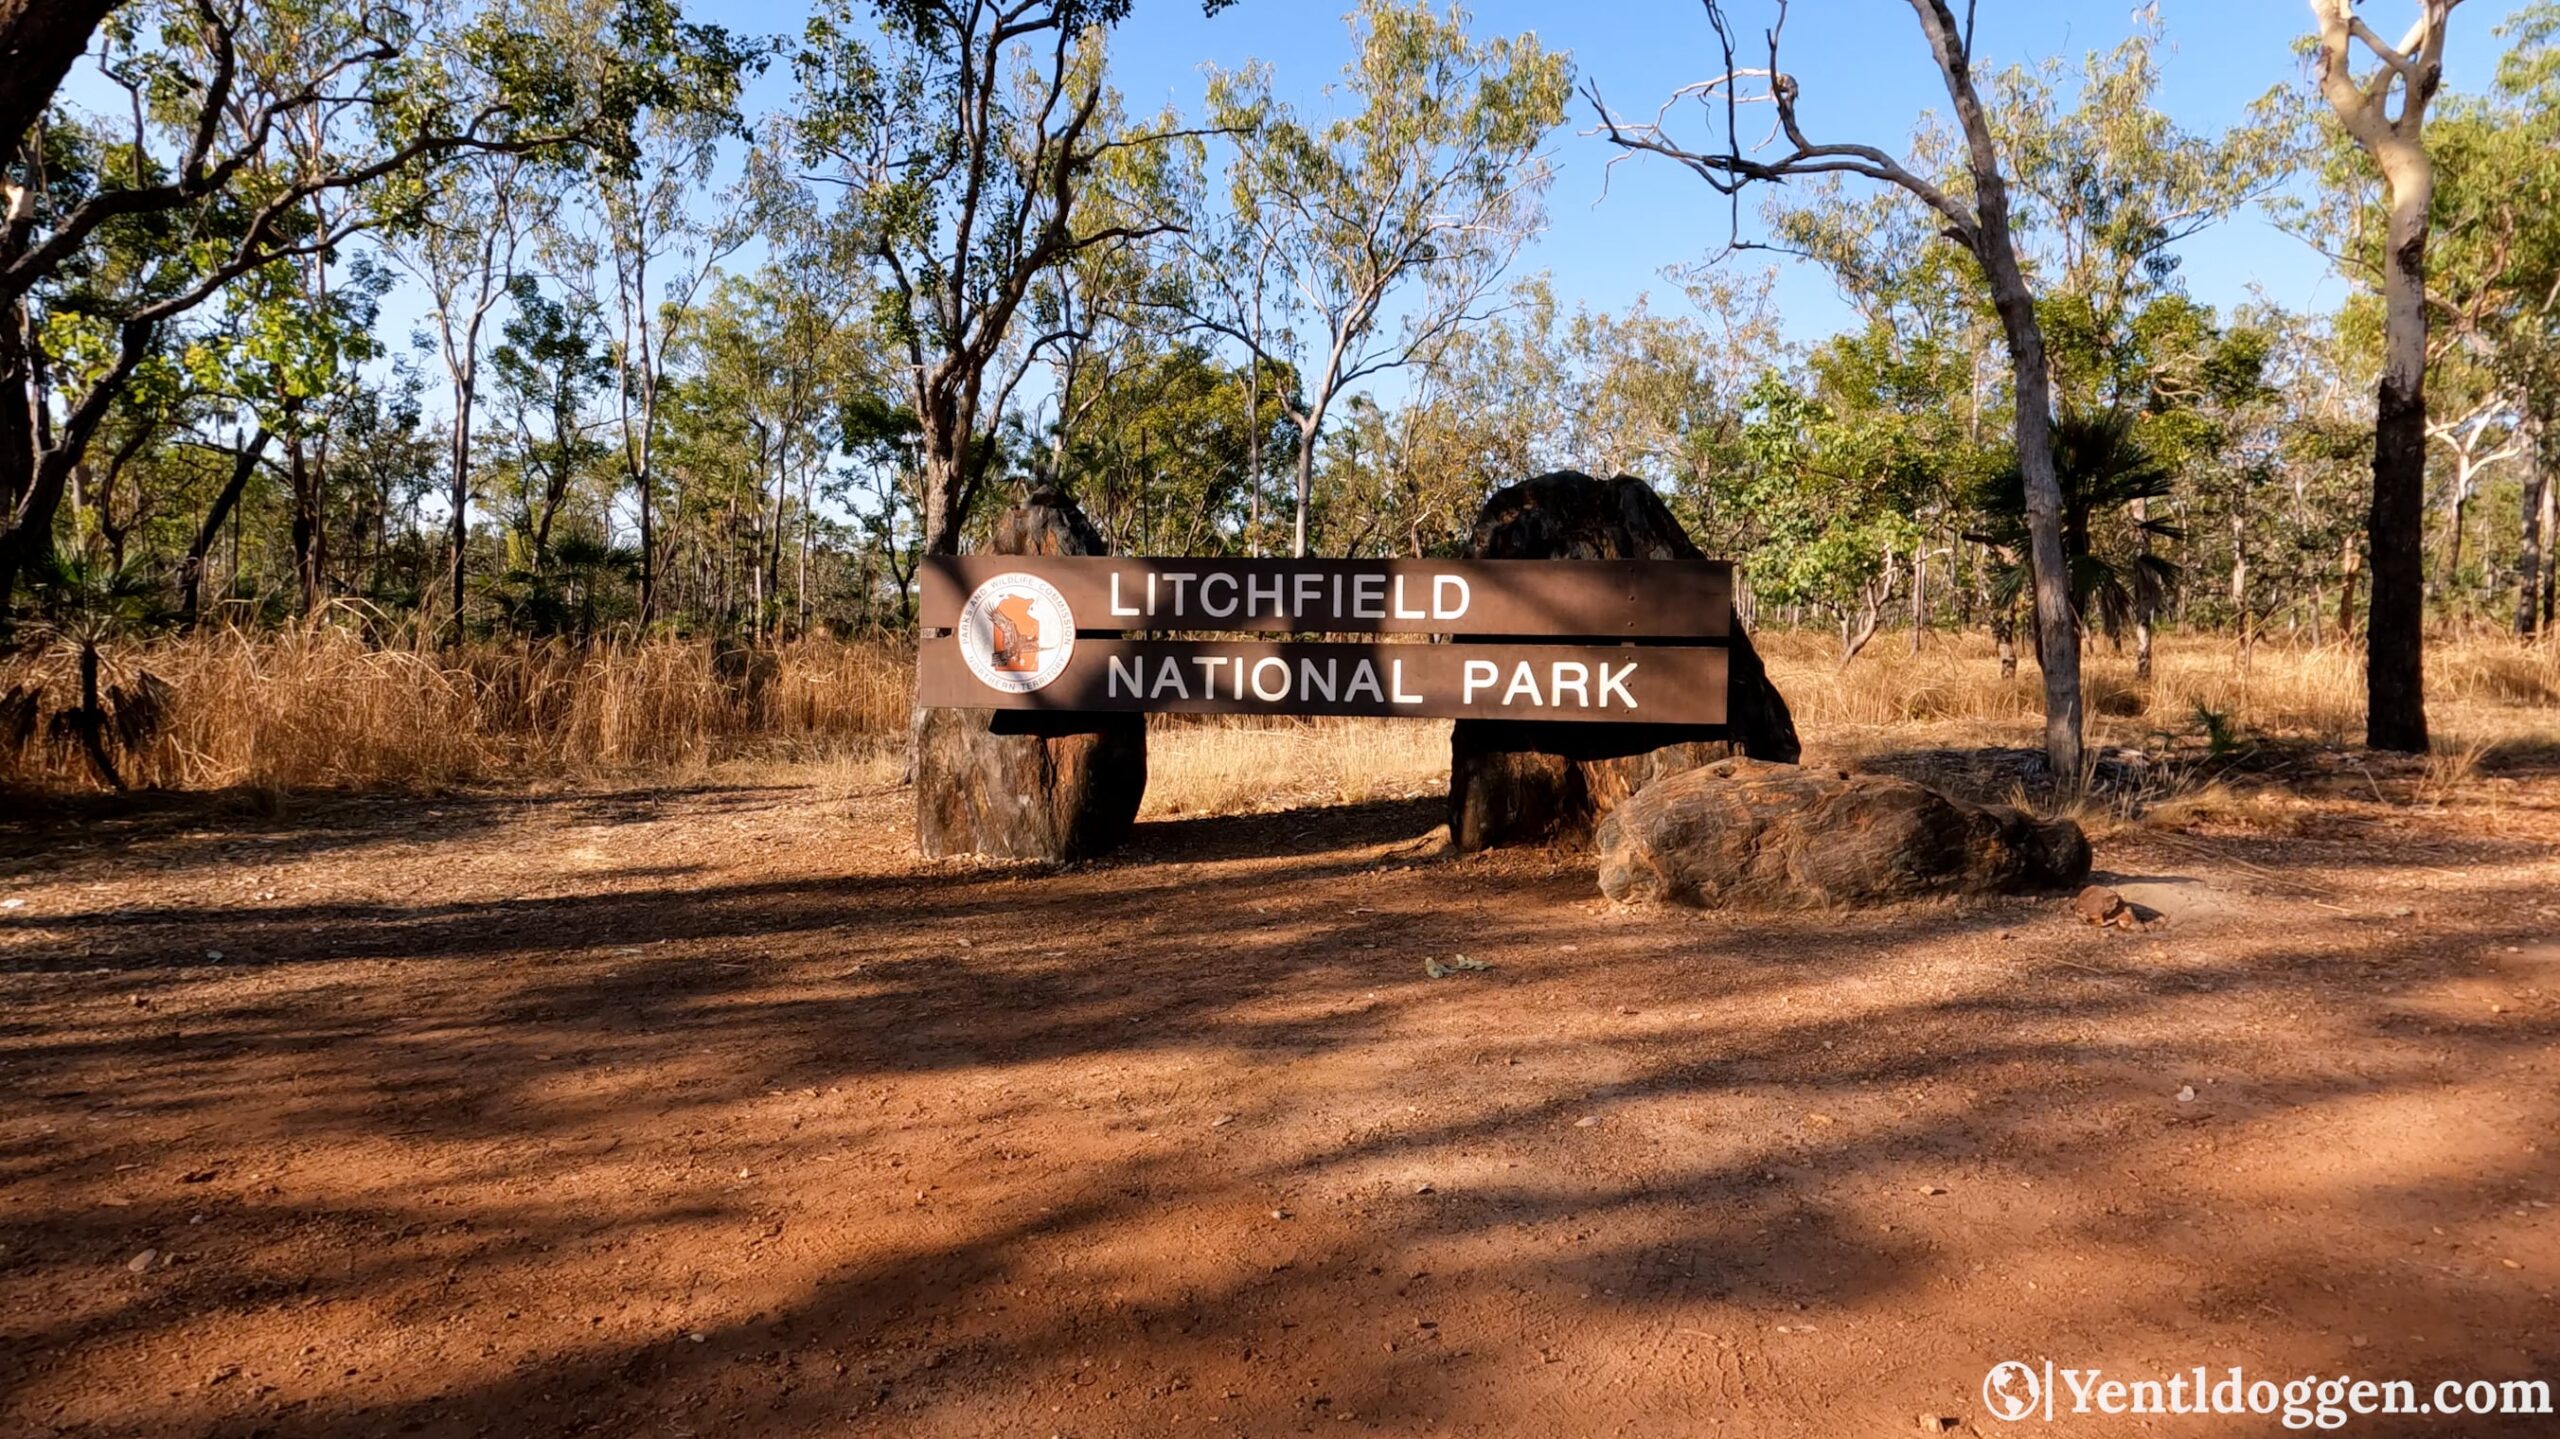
x,y
957,1149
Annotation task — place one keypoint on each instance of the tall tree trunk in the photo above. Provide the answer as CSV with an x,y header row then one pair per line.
x,y
2395,630
2463,480
458,494
244,463
1306,483
2529,557
2142,615
21,451
2550,548
40,40
310,536
2057,628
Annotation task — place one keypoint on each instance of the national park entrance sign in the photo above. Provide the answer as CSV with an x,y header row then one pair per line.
x,y
1615,641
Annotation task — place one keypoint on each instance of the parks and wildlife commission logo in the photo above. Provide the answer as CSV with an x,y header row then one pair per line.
x,y
1016,633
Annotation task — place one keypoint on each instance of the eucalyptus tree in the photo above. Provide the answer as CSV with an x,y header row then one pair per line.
x,y
2384,111
548,369
1418,199
961,139
645,251
1977,217
2105,186
256,135
462,246
767,363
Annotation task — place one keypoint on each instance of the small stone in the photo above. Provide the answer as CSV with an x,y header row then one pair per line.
x,y
1423,1188
141,1263
1588,1121
1935,1424
698,1337
2099,905
1279,1213
2186,1094
1933,1189
1222,1121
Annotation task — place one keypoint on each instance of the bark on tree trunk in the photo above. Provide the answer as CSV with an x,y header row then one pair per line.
x,y
2395,630
1306,481
2057,628
2141,605
40,40
191,570
460,497
2550,548
310,538
2529,558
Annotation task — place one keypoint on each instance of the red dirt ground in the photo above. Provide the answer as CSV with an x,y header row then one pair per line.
x,y
709,1111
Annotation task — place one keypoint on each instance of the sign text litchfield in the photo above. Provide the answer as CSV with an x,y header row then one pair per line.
x,y
1600,640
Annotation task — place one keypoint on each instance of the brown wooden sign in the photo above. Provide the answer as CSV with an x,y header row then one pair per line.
x,y
1035,633
1562,599
1627,684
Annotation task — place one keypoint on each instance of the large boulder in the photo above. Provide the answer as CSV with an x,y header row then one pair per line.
x,y
1029,784
1750,835
1514,782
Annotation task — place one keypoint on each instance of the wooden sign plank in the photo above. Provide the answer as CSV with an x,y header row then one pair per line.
x,y
1563,599
1641,684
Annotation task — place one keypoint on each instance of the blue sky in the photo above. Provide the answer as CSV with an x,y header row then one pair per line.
x,y
1866,76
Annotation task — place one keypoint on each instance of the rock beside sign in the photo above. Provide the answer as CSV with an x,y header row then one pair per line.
x,y
1526,783
1750,835
1018,784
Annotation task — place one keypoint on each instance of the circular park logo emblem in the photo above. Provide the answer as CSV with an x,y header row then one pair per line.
x,y
1016,633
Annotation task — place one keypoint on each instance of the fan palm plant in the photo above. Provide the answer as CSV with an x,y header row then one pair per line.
x,y
83,605
2107,475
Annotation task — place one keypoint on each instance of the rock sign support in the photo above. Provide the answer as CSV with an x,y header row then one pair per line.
x,y
1023,784
1526,783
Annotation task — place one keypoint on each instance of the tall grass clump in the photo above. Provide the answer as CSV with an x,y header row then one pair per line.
x,y
323,705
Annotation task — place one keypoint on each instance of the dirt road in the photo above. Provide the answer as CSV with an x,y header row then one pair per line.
x,y
708,1111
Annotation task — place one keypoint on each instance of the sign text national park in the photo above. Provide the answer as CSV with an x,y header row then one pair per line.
x,y
1623,641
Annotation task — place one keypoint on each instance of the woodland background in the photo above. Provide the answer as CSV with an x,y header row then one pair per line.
x,y
488,381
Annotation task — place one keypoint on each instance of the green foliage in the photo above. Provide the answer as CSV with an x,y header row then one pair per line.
x,y
2105,471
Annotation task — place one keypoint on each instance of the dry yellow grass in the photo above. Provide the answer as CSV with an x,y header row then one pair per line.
x,y
2476,683
321,706
1217,768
